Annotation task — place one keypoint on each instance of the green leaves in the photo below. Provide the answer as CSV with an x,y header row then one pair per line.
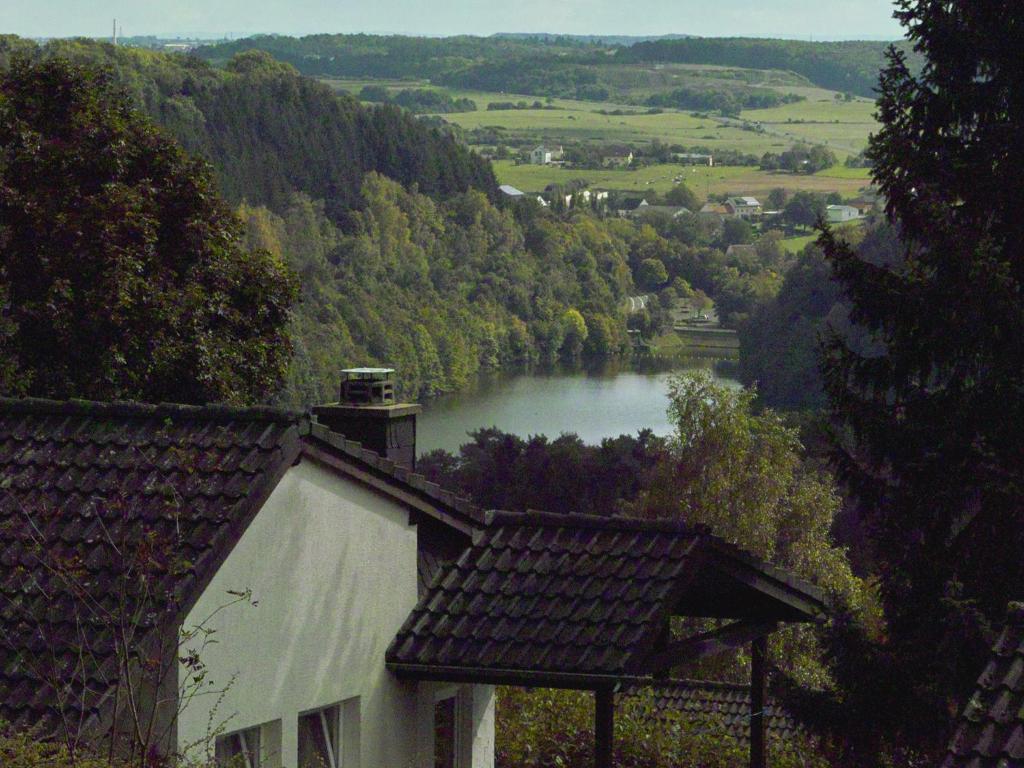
x,y
123,270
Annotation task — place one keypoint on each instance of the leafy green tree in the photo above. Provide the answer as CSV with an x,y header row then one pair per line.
x,y
736,232
777,198
932,412
682,195
124,272
741,474
652,274
805,209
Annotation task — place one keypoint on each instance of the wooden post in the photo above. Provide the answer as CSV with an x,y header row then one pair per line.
x,y
758,721
604,727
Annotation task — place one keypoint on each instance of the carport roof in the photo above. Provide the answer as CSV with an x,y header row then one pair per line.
x,y
583,601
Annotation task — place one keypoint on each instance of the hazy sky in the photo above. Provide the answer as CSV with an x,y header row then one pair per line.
x,y
820,19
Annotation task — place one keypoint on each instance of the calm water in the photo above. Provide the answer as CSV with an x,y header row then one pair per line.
x,y
595,403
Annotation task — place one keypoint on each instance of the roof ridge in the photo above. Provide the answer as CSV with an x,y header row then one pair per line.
x,y
129,409
497,517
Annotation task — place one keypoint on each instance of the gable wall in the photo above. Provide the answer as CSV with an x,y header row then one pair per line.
x,y
333,568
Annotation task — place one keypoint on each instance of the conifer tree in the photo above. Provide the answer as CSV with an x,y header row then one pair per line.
x,y
930,411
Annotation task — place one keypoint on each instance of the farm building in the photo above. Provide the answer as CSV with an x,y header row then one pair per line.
x,y
836,214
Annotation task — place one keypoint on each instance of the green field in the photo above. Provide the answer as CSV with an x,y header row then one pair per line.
x,y
661,178
843,126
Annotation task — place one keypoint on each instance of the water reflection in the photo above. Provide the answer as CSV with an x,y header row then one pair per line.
x,y
599,399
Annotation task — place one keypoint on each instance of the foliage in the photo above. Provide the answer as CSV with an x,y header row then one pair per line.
x,y
417,100
652,274
501,471
682,195
929,415
543,727
804,209
742,475
123,271
270,133
25,750
441,290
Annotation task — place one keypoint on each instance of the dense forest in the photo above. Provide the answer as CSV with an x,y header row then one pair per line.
x,y
559,66
269,132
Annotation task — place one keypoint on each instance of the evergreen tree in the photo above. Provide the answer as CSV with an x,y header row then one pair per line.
x,y
931,411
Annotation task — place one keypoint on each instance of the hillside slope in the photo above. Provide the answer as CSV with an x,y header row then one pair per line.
x,y
270,132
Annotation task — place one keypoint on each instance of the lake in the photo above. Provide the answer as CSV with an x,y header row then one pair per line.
x,y
608,400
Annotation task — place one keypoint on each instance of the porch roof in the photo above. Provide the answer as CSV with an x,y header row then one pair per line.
x,y
578,601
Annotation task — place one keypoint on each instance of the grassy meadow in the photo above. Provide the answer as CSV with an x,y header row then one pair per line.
x,y
661,178
843,126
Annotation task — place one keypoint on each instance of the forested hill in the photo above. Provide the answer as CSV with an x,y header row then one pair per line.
x,y
851,66
270,132
560,66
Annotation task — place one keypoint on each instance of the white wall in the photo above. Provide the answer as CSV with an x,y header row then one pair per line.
x,y
333,568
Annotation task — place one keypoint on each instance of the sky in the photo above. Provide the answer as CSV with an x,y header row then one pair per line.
x,y
800,19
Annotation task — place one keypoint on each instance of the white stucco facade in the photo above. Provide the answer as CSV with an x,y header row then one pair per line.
x,y
332,568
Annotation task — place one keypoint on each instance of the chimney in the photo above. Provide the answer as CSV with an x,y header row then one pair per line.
x,y
367,412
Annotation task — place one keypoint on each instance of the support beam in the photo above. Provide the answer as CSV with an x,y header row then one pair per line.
x,y
727,638
604,727
758,701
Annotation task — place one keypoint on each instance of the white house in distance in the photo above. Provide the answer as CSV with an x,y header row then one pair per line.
x,y
744,207
543,155
837,214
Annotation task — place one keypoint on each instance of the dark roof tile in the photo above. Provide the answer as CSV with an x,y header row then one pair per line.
x,y
990,731
76,476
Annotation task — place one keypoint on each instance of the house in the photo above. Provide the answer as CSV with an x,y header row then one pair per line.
x,y
362,615
715,211
670,211
617,156
335,542
545,155
511,192
836,214
629,205
990,730
744,207
693,158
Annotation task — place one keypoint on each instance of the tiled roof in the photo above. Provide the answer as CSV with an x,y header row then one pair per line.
x,y
77,477
564,595
990,731
715,704
79,480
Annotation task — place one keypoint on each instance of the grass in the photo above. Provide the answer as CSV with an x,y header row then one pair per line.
x,y
841,125
661,178
582,121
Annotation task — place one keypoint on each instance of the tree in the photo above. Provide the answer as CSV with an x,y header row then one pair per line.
x,y
736,232
123,271
931,413
682,195
777,198
652,274
805,209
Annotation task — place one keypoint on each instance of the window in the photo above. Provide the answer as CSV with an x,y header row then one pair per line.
x,y
445,732
329,738
240,749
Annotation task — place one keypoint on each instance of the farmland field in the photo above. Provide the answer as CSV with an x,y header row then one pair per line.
x,y
661,178
842,126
